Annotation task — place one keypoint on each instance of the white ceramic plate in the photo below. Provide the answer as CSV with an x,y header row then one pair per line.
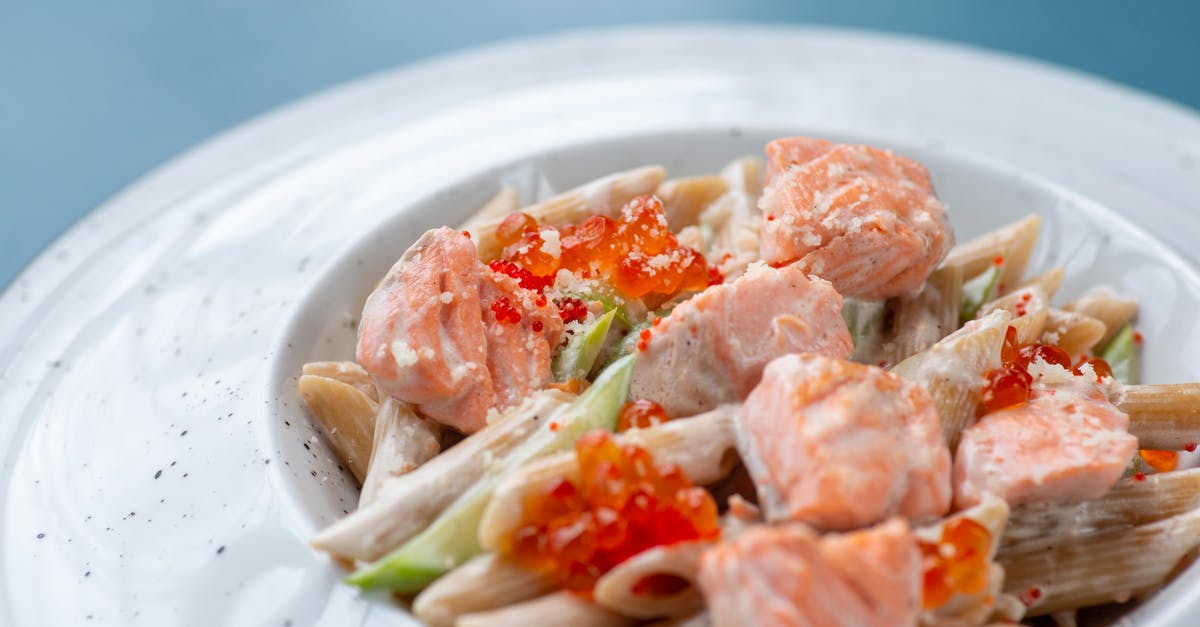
x,y
153,466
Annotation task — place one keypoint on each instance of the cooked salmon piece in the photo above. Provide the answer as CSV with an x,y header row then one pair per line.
x,y
777,576
712,349
430,336
839,445
862,218
1066,445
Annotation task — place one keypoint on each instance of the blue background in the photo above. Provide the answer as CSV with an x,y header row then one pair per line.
x,y
94,93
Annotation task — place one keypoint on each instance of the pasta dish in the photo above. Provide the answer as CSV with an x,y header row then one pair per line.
x,y
781,394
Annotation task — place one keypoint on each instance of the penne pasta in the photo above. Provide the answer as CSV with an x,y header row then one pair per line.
x,y
346,416
603,196
1048,281
560,608
729,227
703,447
485,583
503,203
921,320
1013,243
1072,331
952,370
412,501
685,198
1104,305
347,372
620,588
1100,568
402,442
1029,307
1163,416
1128,504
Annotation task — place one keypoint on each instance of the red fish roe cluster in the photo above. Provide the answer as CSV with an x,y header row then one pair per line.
x,y
1010,384
505,312
640,414
956,563
572,309
621,505
1160,461
524,278
637,253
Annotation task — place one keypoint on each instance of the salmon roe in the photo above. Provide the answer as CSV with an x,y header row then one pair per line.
x,y
637,253
956,563
1160,461
1011,384
640,414
621,505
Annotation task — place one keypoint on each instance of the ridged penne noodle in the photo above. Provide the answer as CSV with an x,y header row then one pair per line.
x,y
921,320
603,196
347,418
1072,331
732,221
485,583
402,442
1129,503
1014,242
1104,305
1103,567
618,588
952,370
1029,307
703,446
347,372
410,502
1048,281
560,608
498,207
1164,416
684,198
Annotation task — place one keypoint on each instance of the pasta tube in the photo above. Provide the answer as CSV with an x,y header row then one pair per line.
x,y
1012,243
1163,416
1104,305
485,583
618,590
402,442
1029,307
1072,331
347,372
560,608
410,502
453,537
922,320
1127,504
952,370
603,196
346,416
684,198
1100,568
1048,281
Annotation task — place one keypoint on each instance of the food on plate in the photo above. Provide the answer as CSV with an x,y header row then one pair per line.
x,y
775,395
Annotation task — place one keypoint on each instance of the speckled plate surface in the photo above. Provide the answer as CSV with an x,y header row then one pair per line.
x,y
155,467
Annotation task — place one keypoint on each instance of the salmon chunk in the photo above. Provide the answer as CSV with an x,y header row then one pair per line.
x,y
712,349
862,218
447,334
840,445
789,576
1063,446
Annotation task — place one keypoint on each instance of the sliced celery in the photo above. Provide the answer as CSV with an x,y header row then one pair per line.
x,y
576,359
1122,356
453,538
978,291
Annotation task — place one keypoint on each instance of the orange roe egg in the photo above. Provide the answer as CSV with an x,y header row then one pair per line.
x,y
505,312
957,563
1011,384
640,414
621,505
1161,461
